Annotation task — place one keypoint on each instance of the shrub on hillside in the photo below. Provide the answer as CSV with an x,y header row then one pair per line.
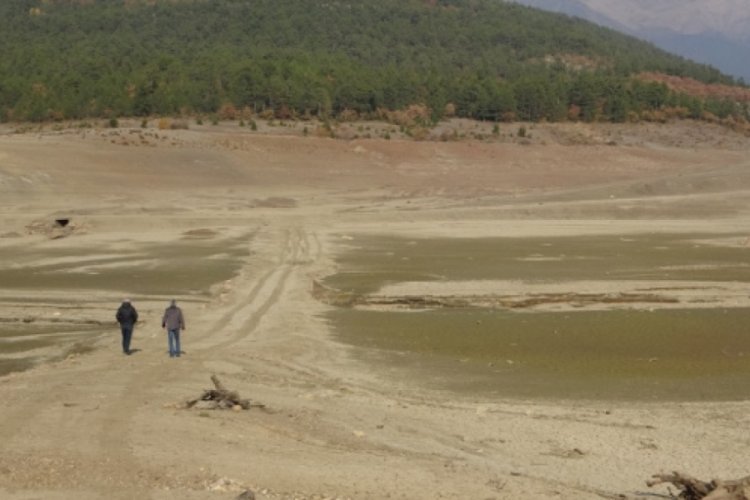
x,y
413,115
348,115
227,111
267,114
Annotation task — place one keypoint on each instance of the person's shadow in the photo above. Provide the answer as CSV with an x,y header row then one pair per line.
x,y
133,351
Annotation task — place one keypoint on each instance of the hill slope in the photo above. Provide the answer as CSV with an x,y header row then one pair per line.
x,y
487,59
716,32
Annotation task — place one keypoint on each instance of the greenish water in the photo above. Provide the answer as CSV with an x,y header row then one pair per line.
x,y
664,354
19,338
23,339
372,262
176,268
689,354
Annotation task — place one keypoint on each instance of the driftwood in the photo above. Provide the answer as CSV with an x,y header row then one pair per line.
x,y
221,398
695,489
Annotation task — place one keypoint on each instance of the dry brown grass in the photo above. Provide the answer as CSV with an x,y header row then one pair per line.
x,y
695,88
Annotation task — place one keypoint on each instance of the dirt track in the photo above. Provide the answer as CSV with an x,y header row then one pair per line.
x,y
100,424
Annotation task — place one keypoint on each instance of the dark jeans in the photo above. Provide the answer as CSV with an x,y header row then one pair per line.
x,y
127,334
174,342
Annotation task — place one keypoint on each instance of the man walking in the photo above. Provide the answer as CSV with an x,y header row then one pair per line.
x,y
173,322
127,316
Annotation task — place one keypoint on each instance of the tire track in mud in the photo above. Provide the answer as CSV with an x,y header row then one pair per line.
x,y
300,248
245,316
297,253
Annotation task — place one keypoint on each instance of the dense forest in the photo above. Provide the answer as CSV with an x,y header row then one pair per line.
x,y
483,59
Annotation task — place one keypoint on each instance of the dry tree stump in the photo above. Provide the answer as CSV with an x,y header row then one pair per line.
x,y
221,398
695,489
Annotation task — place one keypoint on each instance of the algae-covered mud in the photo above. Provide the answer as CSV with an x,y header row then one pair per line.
x,y
369,262
660,355
644,317
22,345
147,268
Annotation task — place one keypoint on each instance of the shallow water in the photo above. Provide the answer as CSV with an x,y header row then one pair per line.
x,y
621,354
20,343
665,354
371,261
177,268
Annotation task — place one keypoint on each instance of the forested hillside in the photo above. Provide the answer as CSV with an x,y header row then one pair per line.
x,y
483,59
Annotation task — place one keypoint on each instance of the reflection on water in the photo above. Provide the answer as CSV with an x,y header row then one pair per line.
x,y
678,354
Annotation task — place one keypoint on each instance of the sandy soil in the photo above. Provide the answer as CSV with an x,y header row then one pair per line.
x,y
96,424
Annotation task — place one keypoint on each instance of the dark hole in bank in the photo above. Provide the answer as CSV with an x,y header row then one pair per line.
x,y
62,222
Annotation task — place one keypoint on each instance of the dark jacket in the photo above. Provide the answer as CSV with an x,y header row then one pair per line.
x,y
173,319
127,315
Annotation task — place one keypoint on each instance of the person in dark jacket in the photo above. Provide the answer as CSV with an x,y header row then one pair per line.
x,y
127,316
173,322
